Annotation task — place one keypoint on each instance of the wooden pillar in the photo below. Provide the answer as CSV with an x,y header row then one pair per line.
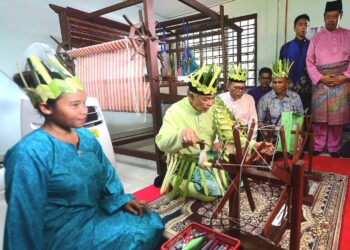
x,y
152,71
201,49
297,202
178,54
239,47
234,203
311,138
223,44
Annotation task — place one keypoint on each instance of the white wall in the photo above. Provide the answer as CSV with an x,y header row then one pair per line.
x,y
21,24
270,32
266,24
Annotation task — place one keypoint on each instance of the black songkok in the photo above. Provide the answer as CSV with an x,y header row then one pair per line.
x,y
335,5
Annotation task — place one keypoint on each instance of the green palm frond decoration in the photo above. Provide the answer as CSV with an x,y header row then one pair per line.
x,y
224,120
50,88
180,170
204,78
238,73
280,68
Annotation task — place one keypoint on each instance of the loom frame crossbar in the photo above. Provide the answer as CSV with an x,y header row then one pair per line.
x,y
207,18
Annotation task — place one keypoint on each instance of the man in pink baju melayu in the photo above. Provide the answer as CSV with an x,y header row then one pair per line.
x,y
328,66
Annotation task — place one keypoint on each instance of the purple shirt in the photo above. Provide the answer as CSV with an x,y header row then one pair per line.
x,y
257,93
325,48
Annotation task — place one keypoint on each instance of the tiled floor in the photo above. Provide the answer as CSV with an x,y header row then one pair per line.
x,y
135,173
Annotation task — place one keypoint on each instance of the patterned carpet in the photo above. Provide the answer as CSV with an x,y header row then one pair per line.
x,y
321,222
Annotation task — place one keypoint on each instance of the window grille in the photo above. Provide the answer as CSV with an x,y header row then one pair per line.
x,y
206,46
205,41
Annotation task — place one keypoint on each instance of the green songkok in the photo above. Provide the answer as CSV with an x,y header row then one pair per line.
x,y
203,81
280,68
237,74
45,87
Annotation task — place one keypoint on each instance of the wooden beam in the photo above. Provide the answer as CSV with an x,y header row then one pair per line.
x,y
136,153
210,13
152,70
176,21
112,8
297,202
232,25
203,46
71,12
130,139
190,25
64,30
203,27
177,47
170,99
223,44
239,47
201,54
202,8
196,17
201,35
278,205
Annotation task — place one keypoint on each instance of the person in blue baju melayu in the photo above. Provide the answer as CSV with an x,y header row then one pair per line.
x,y
295,50
61,190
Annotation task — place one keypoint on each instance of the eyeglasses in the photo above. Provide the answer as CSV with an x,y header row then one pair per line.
x,y
239,88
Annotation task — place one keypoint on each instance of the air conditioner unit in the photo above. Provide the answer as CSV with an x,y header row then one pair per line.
x,y
31,119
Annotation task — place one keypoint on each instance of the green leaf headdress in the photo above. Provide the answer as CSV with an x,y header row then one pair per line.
x,y
281,68
203,81
46,87
237,74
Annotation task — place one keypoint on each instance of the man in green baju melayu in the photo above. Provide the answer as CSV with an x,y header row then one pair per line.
x,y
189,121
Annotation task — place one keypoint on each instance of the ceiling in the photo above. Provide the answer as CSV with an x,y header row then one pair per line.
x,y
164,9
170,9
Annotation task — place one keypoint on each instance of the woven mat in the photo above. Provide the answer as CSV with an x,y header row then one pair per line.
x,y
320,225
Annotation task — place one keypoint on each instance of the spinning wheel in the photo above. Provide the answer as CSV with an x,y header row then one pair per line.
x,y
138,36
289,175
62,55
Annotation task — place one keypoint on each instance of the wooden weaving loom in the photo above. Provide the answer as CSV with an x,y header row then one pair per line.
x,y
80,29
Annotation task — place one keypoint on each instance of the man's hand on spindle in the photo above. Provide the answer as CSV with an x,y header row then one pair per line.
x,y
188,137
267,149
